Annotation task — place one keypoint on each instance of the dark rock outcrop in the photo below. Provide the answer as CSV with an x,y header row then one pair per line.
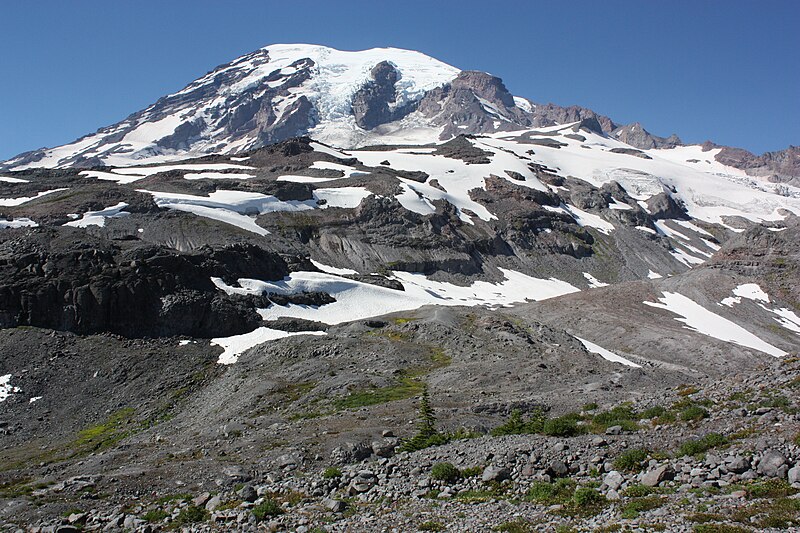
x,y
638,137
92,285
371,103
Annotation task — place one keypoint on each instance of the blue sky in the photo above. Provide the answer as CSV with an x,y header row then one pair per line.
x,y
722,70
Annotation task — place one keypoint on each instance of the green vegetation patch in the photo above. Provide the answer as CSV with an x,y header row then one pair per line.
x,y
446,472
269,508
191,515
407,385
332,472
693,413
633,508
631,460
702,445
119,425
519,525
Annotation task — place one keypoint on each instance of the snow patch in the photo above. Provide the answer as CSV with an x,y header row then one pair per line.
x,y
698,318
11,202
356,300
334,270
98,218
6,388
607,355
233,347
18,223
216,176
594,283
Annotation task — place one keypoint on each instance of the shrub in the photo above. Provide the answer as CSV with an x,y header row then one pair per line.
x,y
430,525
632,509
702,445
687,390
446,472
617,414
471,471
563,426
586,497
332,472
693,413
638,491
155,515
516,526
631,460
515,425
771,488
590,406
653,412
551,493
191,515
719,528
266,509
667,418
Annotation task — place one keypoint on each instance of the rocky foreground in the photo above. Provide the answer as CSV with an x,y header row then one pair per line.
x,y
716,456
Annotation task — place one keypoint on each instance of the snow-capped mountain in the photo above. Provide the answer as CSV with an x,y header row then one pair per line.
x,y
278,257
344,98
347,99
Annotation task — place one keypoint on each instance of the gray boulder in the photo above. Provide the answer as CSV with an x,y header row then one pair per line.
x,y
772,464
557,469
613,480
334,506
739,465
657,475
247,493
794,476
495,473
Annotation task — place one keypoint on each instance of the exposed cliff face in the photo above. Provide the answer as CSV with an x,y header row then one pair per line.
x,y
638,137
373,102
782,166
70,282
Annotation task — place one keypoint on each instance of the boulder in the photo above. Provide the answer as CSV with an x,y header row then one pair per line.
x,y
613,480
794,476
739,465
334,506
772,464
657,475
247,493
557,469
495,473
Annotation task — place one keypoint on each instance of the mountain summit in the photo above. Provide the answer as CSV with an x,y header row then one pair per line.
x,y
347,99
281,91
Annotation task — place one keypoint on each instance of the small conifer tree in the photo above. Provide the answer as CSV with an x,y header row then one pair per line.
x,y
427,419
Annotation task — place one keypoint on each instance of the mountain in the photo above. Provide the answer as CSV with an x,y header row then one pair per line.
x,y
348,99
223,309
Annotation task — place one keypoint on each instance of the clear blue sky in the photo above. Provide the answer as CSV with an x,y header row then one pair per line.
x,y
724,70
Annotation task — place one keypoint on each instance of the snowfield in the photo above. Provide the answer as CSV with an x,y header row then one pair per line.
x,y
356,300
699,319
98,218
606,354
